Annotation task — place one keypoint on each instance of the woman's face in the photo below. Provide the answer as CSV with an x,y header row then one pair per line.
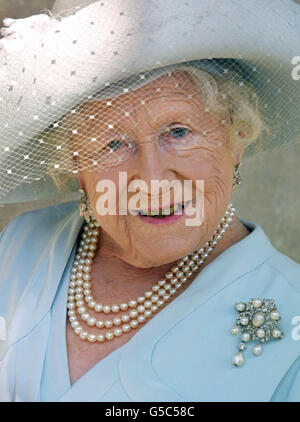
x,y
175,138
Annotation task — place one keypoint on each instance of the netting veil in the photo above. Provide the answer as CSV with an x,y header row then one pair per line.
x,y
78,85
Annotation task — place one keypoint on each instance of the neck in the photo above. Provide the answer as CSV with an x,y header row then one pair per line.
x,y
115,276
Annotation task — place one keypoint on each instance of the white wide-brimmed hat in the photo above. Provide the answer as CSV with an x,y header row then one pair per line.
x,y
85,50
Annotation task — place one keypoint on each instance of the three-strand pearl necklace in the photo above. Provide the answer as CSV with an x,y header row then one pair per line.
x,y
139,310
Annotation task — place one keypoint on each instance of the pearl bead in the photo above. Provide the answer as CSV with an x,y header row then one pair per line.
x,y
117,332
78,330
133,313
134,323
141,318
106,309
108,324
246,337
92,304
257,349
132,303
100,338
91,321
276,332
87,292
79,303
115,308
256,303
92,338
100,323
238,359
109,335
258,319
154,298
274,315
148,313
83,335
235,330
85,316
117,321
260,333
126,328
141,299
240,306
148,294
98,307
72,318
141,308
71,312
125,318
244,320
148,303
74,324
81,310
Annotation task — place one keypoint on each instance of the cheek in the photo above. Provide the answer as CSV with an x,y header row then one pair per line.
x,y
208,164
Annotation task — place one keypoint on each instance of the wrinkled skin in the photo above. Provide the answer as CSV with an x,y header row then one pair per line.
x,y
130,239
132,254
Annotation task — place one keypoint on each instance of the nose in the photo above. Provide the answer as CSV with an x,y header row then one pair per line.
x,y
153,164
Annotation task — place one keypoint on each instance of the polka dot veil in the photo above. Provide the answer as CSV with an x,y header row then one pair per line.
x,y
73,83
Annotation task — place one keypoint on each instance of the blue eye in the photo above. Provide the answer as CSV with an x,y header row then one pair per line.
x,y
114,145
179,132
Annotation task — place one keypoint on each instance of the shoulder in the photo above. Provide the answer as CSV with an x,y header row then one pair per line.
x,y
36,221
26,242
286,268
267,261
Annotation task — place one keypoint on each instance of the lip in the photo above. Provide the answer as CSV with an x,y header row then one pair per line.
x,y
166,220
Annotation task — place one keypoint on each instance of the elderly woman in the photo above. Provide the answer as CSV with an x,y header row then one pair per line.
x,y
117,299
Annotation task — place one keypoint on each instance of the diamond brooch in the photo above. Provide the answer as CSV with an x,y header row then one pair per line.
x,y
256,320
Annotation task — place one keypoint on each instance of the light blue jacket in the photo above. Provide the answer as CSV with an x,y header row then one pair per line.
x,y
182,354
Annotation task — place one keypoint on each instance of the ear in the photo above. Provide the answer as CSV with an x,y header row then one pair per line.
x,y
239,149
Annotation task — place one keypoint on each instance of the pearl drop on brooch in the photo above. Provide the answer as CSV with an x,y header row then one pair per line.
x,y
257,349
238,359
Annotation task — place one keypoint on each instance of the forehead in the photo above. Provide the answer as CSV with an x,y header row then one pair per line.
x,y
172,87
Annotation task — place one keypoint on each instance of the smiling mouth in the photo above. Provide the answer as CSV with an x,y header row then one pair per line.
x,y
164,212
